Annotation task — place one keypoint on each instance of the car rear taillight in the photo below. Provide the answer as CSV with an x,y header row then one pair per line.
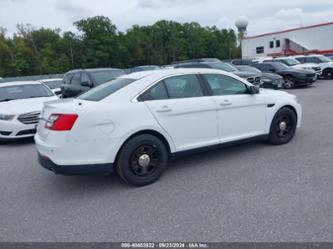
x,y
61,122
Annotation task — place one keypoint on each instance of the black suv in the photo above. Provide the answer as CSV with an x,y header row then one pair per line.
x,y
79,81
214,63
293,77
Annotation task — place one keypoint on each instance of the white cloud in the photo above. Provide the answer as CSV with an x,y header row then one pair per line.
x,y
271,16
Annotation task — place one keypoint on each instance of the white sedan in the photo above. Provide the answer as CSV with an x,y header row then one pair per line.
x,y
135,123
20,106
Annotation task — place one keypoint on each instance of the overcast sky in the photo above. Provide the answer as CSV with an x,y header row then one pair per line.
x,y
264,16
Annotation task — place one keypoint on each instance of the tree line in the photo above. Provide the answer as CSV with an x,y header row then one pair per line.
x,y
98,43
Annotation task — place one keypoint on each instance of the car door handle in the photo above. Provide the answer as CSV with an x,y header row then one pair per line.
x,y
226,103
164,109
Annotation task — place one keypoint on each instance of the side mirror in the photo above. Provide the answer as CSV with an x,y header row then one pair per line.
x,y
86,84
254,89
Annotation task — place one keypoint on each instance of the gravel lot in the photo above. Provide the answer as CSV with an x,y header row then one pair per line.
x,y
252,192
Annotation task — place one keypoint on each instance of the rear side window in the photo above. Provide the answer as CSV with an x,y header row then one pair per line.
x,y
225,85
105,90
185,86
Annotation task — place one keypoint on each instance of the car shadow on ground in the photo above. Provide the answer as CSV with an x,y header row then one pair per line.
x,y
99,184
17,142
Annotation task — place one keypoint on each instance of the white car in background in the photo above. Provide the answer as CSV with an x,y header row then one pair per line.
x,y
133,124
293,63
324,62
20,106
54,85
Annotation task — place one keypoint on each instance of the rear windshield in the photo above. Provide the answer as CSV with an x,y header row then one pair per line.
x,y
9,93
101,77
105,90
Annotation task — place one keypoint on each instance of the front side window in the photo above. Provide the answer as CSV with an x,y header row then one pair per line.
x,y
185,86
9,93
85,79
225,85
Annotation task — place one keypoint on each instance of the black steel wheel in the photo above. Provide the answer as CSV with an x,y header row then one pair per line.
x,y
283,126
142,160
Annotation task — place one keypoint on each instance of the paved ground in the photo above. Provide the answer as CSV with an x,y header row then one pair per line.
x,y
252,192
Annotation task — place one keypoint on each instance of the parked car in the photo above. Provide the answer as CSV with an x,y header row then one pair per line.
x,y
213,63
54,85
144,68
329,56
293,77
133,124
238,62
76,82
268,80
20,105
293,63
325,63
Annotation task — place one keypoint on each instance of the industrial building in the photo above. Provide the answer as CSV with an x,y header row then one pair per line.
x,y
303,40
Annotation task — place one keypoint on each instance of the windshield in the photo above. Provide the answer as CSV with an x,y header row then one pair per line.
x,y
105,90
101,77
324,58
53,84
224,66
291,62
280,66
9,93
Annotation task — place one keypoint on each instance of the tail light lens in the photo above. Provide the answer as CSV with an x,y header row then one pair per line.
x,y
61,122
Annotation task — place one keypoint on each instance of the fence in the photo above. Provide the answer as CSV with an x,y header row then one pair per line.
x,y
29,78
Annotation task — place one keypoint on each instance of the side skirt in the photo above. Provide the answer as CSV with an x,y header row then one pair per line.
x,y
185,153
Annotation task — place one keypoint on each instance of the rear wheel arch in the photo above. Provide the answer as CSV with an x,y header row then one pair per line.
x,y
146,132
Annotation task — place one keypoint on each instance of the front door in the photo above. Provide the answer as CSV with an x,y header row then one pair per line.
x,y
240,114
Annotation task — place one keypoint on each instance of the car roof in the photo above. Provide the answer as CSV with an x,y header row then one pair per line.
x,y
166,72
93,69
20,83
48,80
283,58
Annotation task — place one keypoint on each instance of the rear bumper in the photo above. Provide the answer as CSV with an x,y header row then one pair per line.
x,y
96,169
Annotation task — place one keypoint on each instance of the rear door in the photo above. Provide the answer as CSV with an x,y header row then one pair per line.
x,y
240,114
183,110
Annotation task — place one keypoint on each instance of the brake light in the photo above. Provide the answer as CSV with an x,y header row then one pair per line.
x,y
61,122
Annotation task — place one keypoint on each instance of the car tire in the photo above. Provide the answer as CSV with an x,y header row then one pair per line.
x,y
289,82
328,74
142,160
283,126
